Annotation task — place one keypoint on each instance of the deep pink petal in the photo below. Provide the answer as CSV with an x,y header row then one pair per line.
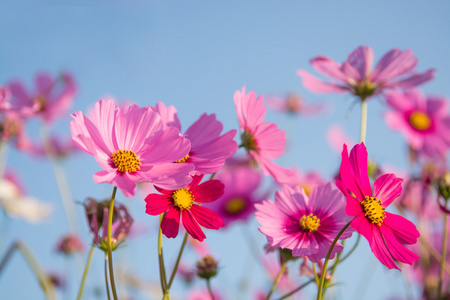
x,y
208,191
358,161
206,217
353,207
380,249
386,188
191,226
314,84
171,223
397,250
404,230
157,204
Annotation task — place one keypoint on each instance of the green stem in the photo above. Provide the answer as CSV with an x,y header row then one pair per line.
x,y
316,277
110,261
45,282
277,279
208,285
106,277
174,271
86,270
363,120
297,289
162,271
325,264
444,250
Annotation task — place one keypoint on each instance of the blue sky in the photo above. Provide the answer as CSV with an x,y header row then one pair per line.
x,y
195,56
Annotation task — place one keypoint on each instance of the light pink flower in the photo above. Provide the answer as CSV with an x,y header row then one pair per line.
x,y
336,137
294,104
237,202
305,225
131,146
209,149
203,295
385,232
423,120
180,204
308,181
51,99
262,140
394,70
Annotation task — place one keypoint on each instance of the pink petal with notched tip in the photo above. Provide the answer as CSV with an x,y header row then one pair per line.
x,y
403,230
171,222
270,140
191,226
268,167
250,110
168,115
328,67
386,188
314,84
206,217
362,60
397,250
395,63
208,191
157,204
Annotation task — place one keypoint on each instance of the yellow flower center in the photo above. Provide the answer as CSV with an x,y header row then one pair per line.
x,y
306,188
364,89
182,160
248,141
235,205
126,161
373,210
310,223
183,199
420,120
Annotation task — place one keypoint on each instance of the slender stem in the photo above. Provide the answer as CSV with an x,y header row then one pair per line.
x,y
277,279
208,284
45,282
174,271
325,264
110,261
297,289
433,253
363,120
86,270
3,156
106,277
444,250
316,277
162,271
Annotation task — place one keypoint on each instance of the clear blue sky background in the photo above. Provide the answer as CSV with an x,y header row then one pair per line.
x,y
195,56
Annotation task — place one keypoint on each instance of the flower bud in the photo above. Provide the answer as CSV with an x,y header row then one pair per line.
x,y
206,267
70,244
444,185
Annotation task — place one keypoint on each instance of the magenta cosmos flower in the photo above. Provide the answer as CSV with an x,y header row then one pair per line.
x,y
423,120
180,203
263,140
51,99
305,225
209,149
131,146
395,69
385,232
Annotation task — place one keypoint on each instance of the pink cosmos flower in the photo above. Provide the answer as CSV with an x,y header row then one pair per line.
x,y
385,232
423,120
180,203
131,146
209,149
52,98
308,181
305,225
263,140
394,70
294,104
237,202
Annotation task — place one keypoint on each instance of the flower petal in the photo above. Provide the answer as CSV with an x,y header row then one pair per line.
x,y
171,223
208,191
206,217
314,84
157,204
191,226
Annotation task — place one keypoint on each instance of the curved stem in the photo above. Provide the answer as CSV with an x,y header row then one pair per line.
x,y
296,290
325,264
277,279
111,270
316,277
162,271
444,250
208,285
86,270
106,277
363,120
174,271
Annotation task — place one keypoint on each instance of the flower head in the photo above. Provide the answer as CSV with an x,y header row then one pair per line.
x,y
206,267
262,140
97,214
385,232
209,149
294,104
70,244
394,70
423,120
305,225
180,203
131,145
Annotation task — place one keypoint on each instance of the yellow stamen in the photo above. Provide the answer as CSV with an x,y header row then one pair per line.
x,y
373,210
182,160
310,223
420,120
126,161
235,205
183,198
306,188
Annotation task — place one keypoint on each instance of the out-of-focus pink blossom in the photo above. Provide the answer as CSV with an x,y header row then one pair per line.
x,y
197,294
336,137
396,69
70,244
294,104
308,181
424,121
58,147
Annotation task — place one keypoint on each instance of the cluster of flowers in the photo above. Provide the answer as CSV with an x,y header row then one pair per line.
x,y
134,145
